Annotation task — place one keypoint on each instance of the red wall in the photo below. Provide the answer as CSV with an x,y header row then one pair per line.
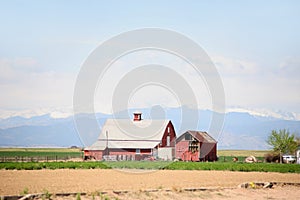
x,y
99,153
128,151
182,152
212,155
181,147
172,136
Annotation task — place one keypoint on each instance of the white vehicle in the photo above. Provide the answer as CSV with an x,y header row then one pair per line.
x,y
289,158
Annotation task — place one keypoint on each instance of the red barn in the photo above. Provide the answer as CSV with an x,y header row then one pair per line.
x,y
196,146
137,139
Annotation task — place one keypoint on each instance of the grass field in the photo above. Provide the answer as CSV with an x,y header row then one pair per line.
x,y
68,151
228,155
227,166
242,153
230,166
224,163
138,164
43,153
156,165
39,150
52,165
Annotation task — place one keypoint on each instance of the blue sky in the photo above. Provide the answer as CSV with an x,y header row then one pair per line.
x,y
255,45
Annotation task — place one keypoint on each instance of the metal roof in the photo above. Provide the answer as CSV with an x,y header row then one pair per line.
x,y
200,136
126,133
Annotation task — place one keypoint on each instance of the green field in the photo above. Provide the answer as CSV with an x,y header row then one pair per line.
x,y
231,166
224,163
225,166
243,153
17,154
68,151
39,150
155,165
137,164
52,165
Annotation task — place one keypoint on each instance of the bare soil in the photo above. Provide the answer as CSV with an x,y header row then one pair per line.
x,y
169,183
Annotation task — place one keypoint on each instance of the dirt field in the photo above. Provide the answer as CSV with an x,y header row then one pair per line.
x,y
223,183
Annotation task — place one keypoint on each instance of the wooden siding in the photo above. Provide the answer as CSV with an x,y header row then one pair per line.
x,y
200,151
172,135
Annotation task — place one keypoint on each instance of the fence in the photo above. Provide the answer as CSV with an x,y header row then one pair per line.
x,y
54,158
122,157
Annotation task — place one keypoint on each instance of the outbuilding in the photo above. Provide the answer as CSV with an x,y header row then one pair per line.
x,y
136,139
196,146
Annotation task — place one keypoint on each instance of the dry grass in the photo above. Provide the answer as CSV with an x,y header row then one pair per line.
x,y
39,150
245,153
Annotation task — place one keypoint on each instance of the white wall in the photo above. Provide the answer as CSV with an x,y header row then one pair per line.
x,y
166,153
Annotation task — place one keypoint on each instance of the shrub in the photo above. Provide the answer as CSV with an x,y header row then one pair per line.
x,y
272,157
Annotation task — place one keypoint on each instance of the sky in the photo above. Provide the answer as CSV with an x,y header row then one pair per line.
x,y
255,46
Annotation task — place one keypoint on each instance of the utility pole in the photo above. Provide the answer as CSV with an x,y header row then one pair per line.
x,y
107,142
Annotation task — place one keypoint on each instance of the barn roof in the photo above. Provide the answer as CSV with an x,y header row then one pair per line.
x,y
126,133
200,136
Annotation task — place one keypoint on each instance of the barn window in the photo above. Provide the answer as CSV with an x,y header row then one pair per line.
x,y
193,146
168,129
168,141
137,151
188,137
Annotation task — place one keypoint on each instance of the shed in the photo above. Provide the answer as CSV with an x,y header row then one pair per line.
x,y
196,146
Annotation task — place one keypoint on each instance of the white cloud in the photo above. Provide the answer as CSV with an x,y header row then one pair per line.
x,y
267,113
290,67
25,63
147,97
235,67
28,90
249,85
25,87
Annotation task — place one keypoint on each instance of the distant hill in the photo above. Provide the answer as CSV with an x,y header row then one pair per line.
x,y
240,130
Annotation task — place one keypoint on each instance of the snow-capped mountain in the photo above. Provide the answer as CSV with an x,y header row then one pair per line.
x,y
242,129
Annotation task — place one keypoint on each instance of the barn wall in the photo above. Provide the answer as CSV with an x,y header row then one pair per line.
x,y
129,154
166,153
119,152
128,151
96,154
212,156
206,152
181,147
172,136
209,152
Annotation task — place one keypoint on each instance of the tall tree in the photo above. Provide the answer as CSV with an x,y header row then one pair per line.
x,y
282,142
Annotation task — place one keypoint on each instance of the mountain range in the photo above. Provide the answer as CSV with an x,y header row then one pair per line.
x,y
241,130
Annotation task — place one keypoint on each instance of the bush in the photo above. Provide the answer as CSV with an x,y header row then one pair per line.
x,y
271,157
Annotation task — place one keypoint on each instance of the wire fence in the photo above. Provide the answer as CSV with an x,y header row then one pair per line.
x,y
50,158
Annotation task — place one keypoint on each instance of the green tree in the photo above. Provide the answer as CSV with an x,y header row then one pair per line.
x,y
298,141
282,142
